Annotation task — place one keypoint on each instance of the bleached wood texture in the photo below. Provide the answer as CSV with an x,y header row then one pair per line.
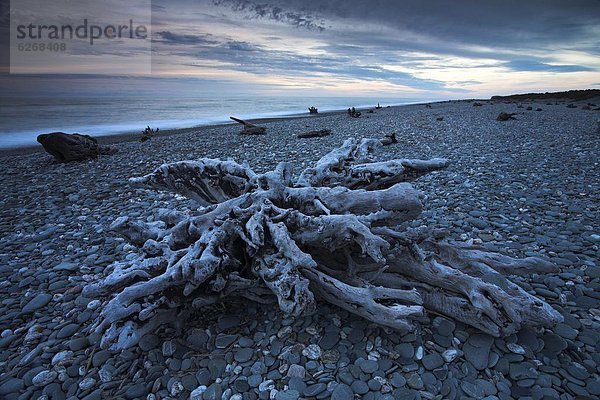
x,y
337,233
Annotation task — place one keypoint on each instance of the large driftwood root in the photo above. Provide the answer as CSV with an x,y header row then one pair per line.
x,y
338,233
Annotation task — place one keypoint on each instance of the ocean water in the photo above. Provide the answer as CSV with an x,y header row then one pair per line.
x,y
23,118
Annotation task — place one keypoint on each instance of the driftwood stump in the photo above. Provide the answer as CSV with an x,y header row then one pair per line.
x,y
67,147
389,139
339,233
249,128
148,133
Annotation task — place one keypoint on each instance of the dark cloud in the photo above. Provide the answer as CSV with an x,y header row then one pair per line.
x,y
242,46
277,12
532,65
507,25
175,38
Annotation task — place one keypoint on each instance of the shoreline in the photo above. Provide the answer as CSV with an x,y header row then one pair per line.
x,y
127,137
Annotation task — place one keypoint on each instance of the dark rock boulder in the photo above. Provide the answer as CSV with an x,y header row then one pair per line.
x,y
72,147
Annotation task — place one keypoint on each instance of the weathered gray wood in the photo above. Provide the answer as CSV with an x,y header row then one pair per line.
x,y
337,233
249,129
311,134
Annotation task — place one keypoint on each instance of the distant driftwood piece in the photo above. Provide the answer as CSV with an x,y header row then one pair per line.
x,y
311,134
67,147
477,104
313,110
340,233
249,129
353,113
148,133
378,107
504,116
389,139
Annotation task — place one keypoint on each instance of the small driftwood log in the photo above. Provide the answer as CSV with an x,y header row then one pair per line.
x,y
311,134
313,110
340,232
477,104
389,139
504,116
249,128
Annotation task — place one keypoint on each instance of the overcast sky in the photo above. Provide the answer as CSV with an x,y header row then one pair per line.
x,y
435,49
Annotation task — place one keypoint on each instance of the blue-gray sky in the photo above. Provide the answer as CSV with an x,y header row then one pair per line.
x,y
435,48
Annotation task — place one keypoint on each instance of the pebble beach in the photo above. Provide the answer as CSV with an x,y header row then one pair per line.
x,y
528,186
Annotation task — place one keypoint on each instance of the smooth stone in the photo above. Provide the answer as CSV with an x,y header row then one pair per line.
x,y
216,366
136,391
405,350
87,383
451,355
593,387
397,380
415,381
356,335
565,331
197,393
67,331
37,302
578,372
213,392
367,366
554,343
515,348
66,266
11,385
44,378
329,340
477,350
374,385
444,326
168,348
289,394
359,387
100,358
244,354
342,392
297,384
223,341
149,342
315,389
312,352
203,377
432,361
78,343
254,380
197,338
522,370
296,371
472,389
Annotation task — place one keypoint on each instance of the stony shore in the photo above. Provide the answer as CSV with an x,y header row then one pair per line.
x,y
528,186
